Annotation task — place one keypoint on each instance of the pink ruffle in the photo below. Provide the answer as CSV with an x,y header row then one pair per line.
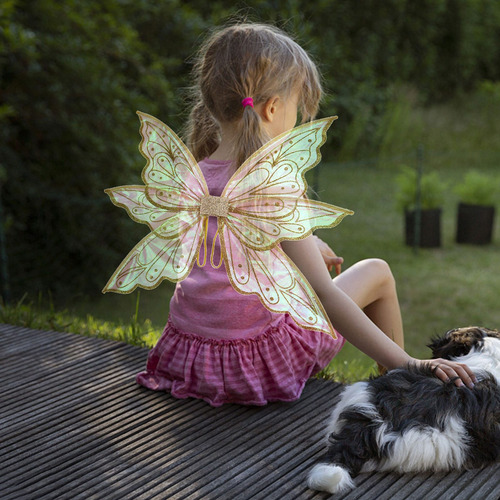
x,y
273,366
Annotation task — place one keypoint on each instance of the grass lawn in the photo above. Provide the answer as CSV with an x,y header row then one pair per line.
x,y
455,285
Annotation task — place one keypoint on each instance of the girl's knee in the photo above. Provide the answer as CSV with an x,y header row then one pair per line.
x,y
381,270
367,281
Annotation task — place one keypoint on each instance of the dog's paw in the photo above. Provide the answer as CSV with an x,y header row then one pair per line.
x,y
330,478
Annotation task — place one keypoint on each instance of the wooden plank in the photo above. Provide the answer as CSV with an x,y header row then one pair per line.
x,y
73,424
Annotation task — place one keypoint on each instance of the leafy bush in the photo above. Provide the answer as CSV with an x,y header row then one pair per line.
x,y
73,75
478,189
432,189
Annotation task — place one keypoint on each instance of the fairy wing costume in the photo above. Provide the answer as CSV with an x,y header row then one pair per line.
x,y
263,203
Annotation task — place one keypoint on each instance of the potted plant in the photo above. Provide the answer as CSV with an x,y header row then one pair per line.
x,y
476,208
423,204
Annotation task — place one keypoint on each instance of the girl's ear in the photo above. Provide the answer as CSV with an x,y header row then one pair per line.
x,y
269,108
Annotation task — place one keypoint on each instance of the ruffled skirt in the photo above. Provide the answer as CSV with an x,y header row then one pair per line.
x,y
273,366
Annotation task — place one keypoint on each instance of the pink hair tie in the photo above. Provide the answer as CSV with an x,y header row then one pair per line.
x,y
248,101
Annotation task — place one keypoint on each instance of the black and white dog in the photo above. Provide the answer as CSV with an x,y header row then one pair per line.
x,y
410,421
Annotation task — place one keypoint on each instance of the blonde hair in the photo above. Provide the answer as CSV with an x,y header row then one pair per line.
x,y
247,60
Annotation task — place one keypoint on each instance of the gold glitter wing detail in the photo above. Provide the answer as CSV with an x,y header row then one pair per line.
x,y
276,280
169,204
172,176
267,193
156,258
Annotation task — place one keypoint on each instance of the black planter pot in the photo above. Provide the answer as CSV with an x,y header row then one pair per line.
x,y
475,224
430,228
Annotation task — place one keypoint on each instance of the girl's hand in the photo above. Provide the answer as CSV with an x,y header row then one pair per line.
x,y
331,260
447,370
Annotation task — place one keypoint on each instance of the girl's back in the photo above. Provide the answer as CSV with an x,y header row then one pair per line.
x,y
206,304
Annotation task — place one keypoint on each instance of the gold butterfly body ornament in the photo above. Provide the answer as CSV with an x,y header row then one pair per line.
x,y
262,204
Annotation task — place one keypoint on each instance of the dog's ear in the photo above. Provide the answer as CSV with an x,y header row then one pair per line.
x,y
438,346
459,341
491,333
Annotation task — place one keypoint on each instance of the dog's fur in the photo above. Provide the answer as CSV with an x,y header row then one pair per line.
x,y
408,420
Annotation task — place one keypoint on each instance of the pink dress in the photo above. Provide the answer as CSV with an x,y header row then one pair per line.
x,y
225,347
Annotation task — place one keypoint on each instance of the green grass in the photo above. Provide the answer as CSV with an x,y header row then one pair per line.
x,y
43,315
455,285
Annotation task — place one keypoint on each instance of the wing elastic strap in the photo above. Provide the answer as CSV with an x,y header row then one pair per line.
x,y
205,237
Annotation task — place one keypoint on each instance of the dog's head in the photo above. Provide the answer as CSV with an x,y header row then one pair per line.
x,y
460,341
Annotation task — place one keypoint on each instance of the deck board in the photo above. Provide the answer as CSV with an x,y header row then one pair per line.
x,y
74,425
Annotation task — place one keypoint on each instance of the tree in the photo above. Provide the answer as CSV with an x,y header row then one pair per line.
x,y
73,73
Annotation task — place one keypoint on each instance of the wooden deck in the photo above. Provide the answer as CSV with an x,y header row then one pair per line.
x,y
74,425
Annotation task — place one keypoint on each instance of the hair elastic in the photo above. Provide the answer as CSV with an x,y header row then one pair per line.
x,y
248,101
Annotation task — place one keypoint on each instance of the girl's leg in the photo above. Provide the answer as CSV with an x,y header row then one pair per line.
x,y
371,285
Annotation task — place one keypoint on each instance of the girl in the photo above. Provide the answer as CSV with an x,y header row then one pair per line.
x,y
251,81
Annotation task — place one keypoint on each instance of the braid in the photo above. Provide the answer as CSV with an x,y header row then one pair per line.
x,y
203,134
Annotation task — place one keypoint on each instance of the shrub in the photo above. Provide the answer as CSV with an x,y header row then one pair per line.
x,y
432,189
478,189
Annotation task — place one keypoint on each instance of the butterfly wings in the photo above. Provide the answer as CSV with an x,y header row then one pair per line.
x,y
172,176
169,204
276,280
264,203
268,205
267,193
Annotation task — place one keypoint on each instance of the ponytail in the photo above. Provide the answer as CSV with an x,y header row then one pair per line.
x,y
251,135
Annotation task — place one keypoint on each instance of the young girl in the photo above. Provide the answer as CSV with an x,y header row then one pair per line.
x,y
225,347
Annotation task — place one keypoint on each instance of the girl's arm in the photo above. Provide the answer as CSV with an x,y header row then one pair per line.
x,y
350,320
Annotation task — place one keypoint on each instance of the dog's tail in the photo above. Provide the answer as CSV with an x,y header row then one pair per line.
x,y
330,478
